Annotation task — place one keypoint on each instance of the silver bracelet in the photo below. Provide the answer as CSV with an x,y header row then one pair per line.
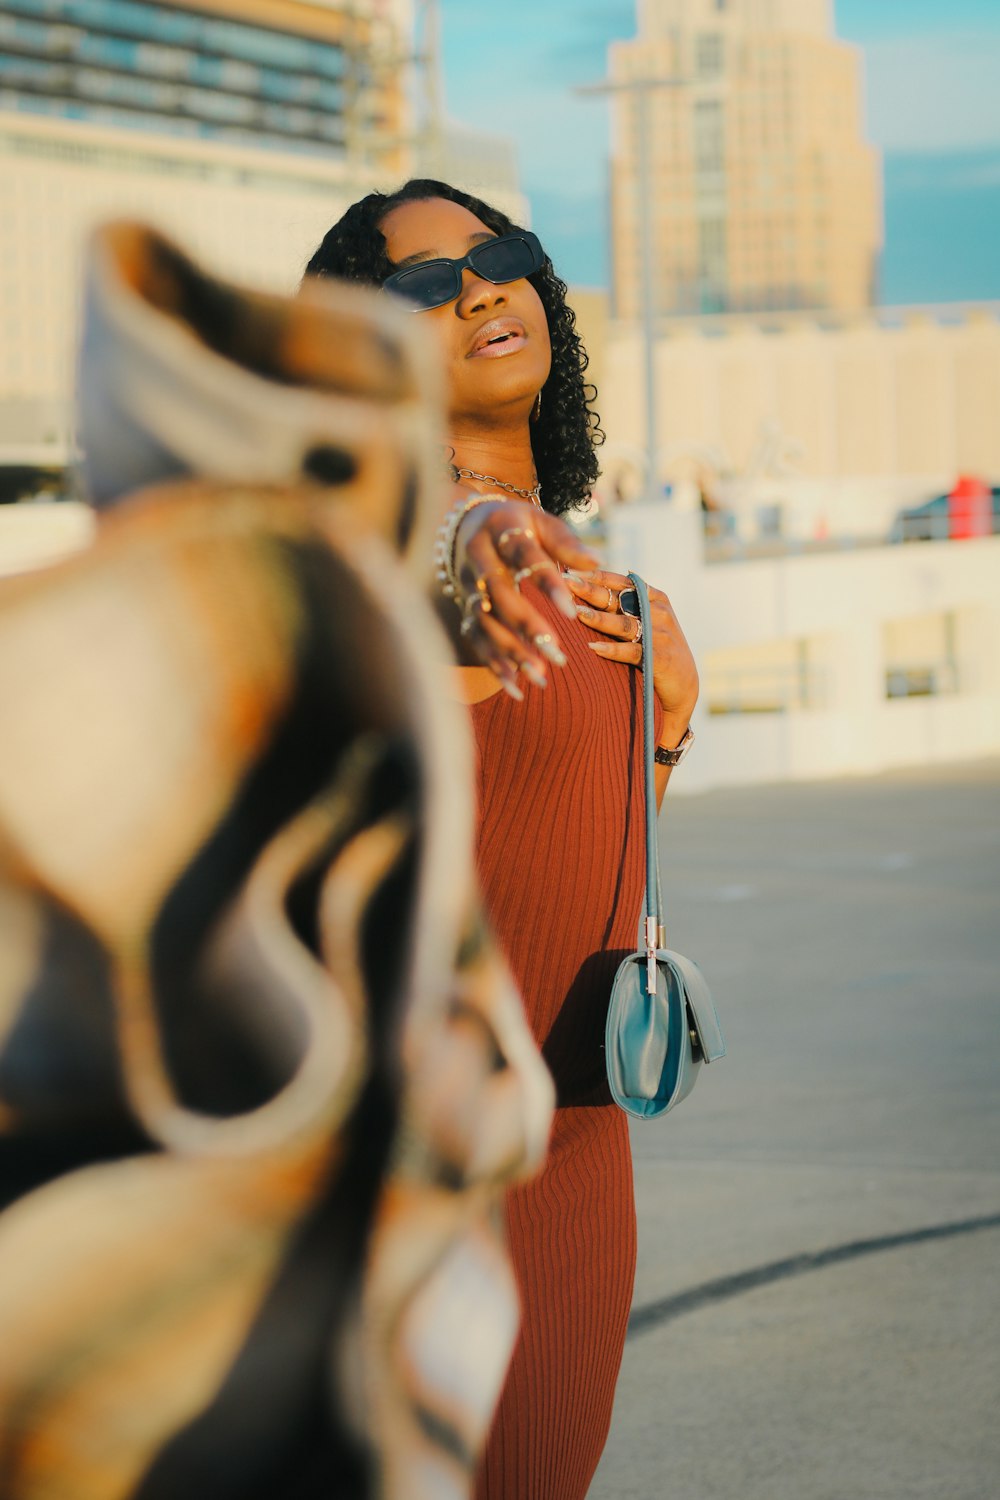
x,y
446,537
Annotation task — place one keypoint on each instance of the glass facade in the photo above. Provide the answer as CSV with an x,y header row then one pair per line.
x,y
180,72
709,55
709,136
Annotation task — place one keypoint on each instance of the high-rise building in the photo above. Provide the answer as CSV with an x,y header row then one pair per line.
x,y
239,126
277,74
242,127
762,189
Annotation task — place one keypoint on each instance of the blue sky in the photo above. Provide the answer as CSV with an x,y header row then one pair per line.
x,y
933,107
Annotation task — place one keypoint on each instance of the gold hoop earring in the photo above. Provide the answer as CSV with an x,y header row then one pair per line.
x,y
536,410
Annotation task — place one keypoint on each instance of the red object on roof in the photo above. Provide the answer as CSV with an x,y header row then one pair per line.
x,y
970,508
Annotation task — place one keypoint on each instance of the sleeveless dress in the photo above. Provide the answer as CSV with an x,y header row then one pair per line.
x,y
561,859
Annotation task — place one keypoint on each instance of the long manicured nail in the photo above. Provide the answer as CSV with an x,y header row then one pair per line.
x,y
599,646
564,601
534,675
513,689
548,647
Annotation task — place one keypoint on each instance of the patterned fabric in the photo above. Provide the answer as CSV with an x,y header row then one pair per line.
x,y
263,1077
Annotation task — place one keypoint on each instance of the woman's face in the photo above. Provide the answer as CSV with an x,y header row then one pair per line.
x,y
484,378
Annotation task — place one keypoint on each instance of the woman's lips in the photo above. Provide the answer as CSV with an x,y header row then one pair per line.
x,y
500,337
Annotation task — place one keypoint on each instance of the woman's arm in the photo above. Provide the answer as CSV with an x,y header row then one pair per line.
x,y
672,731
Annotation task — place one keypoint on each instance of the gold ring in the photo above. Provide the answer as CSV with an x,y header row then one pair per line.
x,y
482,581
478,599
513,531
638,632
537,567
613,600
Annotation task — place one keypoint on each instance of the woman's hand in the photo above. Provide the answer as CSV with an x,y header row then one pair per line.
x,y
675,676
500,545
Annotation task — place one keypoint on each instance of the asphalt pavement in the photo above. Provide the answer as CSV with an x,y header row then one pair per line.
x,y
817,1307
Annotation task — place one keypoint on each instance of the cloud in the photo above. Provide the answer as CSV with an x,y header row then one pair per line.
x,y
942,172
934,93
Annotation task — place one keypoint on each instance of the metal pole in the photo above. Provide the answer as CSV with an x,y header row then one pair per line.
x,y
641,89
434,122
647,282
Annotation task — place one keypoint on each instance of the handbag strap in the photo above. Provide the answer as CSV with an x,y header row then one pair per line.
x,y
654,903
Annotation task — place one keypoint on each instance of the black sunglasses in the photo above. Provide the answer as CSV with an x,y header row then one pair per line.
x,y
432,283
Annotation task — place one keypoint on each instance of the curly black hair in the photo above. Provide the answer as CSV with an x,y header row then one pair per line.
x,y
568,429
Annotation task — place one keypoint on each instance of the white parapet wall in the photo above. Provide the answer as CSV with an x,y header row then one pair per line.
x,y
842,614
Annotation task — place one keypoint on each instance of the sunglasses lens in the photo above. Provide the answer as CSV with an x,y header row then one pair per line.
x,y
435,282
427,286
506,259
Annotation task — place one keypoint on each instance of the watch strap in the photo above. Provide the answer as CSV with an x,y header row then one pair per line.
x,y
665,757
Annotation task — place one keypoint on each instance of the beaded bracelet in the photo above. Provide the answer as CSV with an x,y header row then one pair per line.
x,y
446,537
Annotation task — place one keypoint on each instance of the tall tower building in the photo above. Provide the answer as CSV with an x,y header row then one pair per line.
x,y
763,192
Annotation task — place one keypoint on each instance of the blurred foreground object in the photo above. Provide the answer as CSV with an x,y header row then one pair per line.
x,y
263,1077
185,375
35,534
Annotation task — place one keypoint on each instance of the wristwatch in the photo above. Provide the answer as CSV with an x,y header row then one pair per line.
x,y
664,757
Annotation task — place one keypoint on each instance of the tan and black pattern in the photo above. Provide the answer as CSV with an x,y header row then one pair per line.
x,y
263,1076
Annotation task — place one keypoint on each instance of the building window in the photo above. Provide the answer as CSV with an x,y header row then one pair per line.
x,y
712,267
775,677
709,55
920,656
709,136
153,66
711,249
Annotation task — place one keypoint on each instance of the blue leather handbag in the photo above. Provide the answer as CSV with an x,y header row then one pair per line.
x,y
662,1023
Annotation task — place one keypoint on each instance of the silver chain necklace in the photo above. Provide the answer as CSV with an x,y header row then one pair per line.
x,y
534,494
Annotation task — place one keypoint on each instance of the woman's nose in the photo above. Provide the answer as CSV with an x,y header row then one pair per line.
x,y
477,294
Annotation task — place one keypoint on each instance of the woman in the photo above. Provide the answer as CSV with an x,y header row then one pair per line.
x,y
560,845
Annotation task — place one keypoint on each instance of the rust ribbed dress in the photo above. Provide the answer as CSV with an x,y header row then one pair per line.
x,y
561,858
